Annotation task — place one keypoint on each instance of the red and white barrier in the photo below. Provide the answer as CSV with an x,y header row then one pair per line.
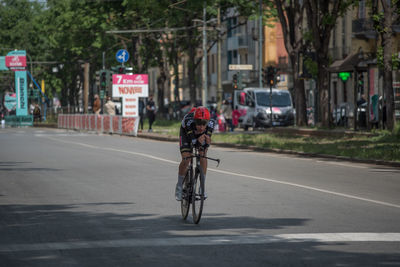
x,y
99,123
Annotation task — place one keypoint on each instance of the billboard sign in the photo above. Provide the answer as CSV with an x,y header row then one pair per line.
x,y
10,101
21,90
130,87
16,60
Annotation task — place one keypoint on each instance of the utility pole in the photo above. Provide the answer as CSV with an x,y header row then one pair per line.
x,y
204,92
219,78
260,41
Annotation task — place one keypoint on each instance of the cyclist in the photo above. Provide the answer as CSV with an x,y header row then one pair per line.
x,y
196,130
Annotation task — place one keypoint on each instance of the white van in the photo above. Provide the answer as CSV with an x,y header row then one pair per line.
x,y
253,105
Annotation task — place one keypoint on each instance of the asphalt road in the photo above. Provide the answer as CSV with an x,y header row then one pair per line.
x,y
83,199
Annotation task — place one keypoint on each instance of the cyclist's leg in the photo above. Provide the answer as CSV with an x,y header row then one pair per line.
x,y
186,151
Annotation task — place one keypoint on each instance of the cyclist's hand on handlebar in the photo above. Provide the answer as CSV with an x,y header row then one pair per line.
x,y
204,139
201,140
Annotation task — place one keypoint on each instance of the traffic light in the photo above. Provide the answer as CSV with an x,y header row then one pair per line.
x,y
265,75
121,70
103,80
270,75
361,82
235,81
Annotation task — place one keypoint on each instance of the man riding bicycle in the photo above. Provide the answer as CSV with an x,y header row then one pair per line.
x,y
196,130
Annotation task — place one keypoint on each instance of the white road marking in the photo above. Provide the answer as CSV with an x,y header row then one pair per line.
x,y
240,175
308,187
206,241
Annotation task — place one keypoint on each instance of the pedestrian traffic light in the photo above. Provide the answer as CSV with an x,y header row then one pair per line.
x,y
361,82
235,81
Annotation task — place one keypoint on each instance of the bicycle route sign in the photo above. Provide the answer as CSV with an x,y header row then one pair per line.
x,y
122,56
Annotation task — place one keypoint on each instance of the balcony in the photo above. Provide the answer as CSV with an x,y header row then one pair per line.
x,y
364,29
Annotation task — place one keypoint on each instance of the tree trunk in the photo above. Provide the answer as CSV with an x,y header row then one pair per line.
x,y
387,44
161,88
323,87
291,17
300,102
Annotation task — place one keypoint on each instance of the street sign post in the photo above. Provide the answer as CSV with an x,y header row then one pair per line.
x,y
122,56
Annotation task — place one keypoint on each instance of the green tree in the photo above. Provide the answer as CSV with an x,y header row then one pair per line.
x,y
76,32
18,31
290,14
321,19
385,14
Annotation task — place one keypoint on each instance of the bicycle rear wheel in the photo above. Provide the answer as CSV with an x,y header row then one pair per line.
x,y
198,196
185,203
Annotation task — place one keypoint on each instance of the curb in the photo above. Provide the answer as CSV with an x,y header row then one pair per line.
x,y
165,138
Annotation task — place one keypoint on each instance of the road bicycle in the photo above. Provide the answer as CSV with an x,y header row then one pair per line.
x,y
193,188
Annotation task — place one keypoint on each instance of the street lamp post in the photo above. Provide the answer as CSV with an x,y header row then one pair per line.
x,y
204,91
260,48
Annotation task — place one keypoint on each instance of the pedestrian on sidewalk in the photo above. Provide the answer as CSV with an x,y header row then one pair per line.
x,y
226,110
141,114
109,107
151,112
96,104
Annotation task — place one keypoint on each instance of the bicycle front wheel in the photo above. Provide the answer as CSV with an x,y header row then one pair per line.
x,y
198,196
185,203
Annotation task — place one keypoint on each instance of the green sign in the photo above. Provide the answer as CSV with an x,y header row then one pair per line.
x,y
3,63
344,76
10,101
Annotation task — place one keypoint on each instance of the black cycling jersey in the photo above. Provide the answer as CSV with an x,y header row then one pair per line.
x,y
188,137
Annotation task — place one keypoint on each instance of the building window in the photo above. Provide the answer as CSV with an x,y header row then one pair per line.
x,y
232,23
361,9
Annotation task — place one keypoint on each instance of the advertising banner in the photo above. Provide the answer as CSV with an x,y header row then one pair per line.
x,y
21,91
16,60
130,107
10,101
130,88
3,63
127,85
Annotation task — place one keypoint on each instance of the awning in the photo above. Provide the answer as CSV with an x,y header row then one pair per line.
x,y
347,64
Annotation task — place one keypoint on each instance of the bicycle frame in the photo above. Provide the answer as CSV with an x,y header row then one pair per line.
x,y
193,185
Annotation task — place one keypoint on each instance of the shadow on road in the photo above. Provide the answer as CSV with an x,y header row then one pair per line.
x,y
89,222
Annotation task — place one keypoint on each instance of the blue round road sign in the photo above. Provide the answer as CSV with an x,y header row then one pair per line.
x,y
122,56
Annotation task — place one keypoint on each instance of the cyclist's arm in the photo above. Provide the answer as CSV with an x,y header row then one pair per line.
x,y
206,137
188,127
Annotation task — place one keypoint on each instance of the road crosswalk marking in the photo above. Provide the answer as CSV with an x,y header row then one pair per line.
x,y
206,241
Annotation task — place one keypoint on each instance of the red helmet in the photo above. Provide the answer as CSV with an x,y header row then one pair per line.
x,y
201,113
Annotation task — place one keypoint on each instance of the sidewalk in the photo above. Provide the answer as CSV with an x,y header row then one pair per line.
x,y
306,132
